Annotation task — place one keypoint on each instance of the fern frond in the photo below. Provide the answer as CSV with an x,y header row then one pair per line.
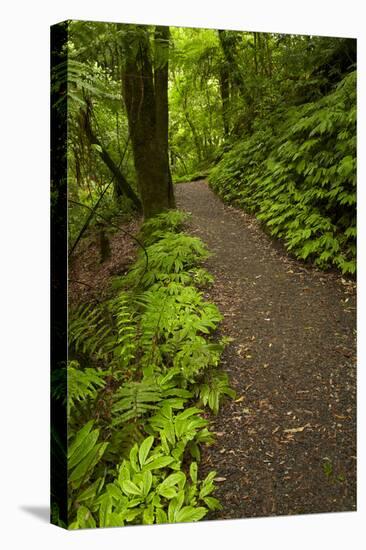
x,y
168,259
90,331
125,342
133,400
82,384
156,227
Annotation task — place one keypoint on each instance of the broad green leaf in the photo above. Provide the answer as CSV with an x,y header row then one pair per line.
x,y
145,449
79,438
84,468
173,479
206,489
148,516
105,510
147,481
130,515
175,505
124,472
133,458
114,491
85,518
213,503
161,516
83,449
130,488
91,491
167,492
189,513
160,462
116,519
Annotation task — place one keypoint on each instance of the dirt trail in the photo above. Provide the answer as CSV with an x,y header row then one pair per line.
x,y
287,445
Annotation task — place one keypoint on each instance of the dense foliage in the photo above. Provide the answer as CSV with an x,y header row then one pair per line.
x,y
143,365
276,115
297,173
271,120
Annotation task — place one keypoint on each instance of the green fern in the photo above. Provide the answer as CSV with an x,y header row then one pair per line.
x,y
82,384
84,453
121,441
179,432
125,342
213,389
297,173
173,325
156,227
168,260
134,400
82,80
137,357
90,331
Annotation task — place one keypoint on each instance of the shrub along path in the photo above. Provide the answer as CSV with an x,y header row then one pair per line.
x,y
286,445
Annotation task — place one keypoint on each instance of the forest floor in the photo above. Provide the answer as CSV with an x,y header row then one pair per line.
x,y
88,277
287,444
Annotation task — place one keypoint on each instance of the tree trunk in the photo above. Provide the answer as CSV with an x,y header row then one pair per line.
x,y
228,45
225,97
228,42
161,75
269,56
255,53
146,103
196,138
104,244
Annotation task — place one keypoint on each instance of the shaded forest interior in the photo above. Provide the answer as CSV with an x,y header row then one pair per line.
x,y
269,121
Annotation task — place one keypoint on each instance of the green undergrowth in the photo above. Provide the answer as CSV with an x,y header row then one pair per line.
x,y
143,367
297,173
195,176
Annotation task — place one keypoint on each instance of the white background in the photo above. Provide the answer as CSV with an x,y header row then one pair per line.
x,y
24,253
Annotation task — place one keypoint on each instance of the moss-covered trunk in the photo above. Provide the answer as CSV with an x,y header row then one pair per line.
x,y
146,100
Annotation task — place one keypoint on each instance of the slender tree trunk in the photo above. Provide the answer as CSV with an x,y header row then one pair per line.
x,y
209,108
146,103
228,45
255,53
195,135
225,97
269,56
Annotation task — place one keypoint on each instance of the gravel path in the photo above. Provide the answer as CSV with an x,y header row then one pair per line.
x,y
287,445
